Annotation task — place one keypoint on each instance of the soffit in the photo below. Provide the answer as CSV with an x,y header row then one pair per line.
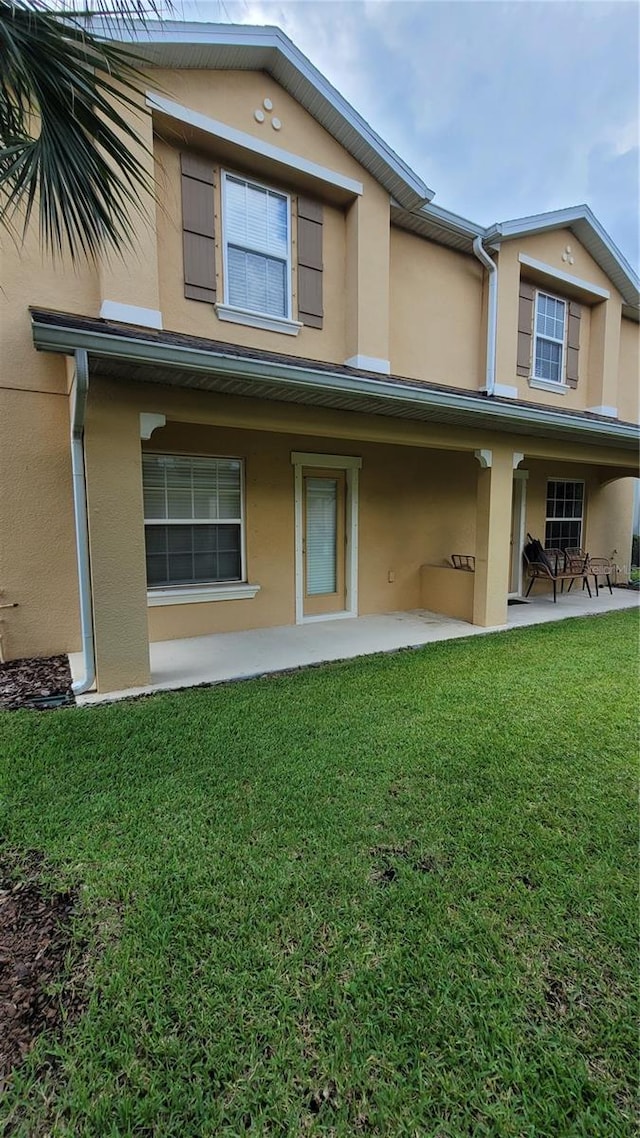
x,y
173,359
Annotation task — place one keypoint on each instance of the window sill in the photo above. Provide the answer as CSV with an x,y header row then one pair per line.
x,y
256,320
189,595
549,385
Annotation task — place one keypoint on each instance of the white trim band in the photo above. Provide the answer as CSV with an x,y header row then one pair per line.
x,y
256,320
505,391
236,591
369,363
326,461
566,278
550,385
252,144
131,314
610,412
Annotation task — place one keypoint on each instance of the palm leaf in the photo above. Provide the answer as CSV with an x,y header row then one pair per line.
x,y
70,107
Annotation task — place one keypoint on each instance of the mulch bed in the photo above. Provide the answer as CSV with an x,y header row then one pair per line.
x,y
41,683
36,989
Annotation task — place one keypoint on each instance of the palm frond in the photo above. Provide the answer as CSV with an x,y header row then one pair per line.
x,y
71,105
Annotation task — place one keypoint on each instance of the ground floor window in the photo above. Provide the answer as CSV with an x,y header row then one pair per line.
x,y
565,511
193,519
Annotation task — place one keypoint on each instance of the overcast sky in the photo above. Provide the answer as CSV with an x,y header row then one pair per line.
x,y
504,109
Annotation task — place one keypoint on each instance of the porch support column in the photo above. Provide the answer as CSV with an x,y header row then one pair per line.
x,y
493,532
113,459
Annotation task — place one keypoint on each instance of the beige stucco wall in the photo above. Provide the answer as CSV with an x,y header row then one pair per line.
x,y
607,513
415,506
232,96
629,372
37,551
599,338
436,325
423,497
199,319
356,229
388,294
29,277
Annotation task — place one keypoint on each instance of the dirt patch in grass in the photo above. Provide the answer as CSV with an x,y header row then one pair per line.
x,y
40,683
36,942
384,870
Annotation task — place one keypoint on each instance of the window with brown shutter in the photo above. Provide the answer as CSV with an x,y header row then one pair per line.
x,y
548,337
525,328
310,310
573,343
198,177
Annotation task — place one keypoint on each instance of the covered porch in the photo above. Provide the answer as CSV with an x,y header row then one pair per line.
x,y
210,474
223,657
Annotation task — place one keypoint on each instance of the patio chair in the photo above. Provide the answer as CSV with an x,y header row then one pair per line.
x,y
598,566
552,565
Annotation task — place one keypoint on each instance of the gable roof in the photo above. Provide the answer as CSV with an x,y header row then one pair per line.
x,y
590,233
450,229
241,47
184,45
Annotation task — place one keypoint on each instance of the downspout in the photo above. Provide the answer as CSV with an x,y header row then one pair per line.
x,y
78,411
492,313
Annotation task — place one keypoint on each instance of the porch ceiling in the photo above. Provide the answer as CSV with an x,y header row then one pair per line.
x,y
130,354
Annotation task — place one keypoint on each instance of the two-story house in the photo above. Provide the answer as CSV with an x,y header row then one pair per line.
x,y
305,387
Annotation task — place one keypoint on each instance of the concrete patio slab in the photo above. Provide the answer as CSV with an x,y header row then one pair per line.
x,y
240,655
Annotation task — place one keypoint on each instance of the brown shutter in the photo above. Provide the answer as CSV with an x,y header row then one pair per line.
x,y
310,310
198,228
573,344
525,328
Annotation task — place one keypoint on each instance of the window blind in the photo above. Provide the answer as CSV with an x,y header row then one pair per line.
x,y
256,230
193,519
321,535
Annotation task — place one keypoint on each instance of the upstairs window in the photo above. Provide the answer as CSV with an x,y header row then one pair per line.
x,y
257,248
550,333
193,519
565,509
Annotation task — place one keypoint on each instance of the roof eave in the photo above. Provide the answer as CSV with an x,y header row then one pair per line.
x,y
286,63
502,414
583,222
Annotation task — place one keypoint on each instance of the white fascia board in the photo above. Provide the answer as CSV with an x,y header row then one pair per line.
x,y
608,256
564,278
249,142
451,220
265,39
57,338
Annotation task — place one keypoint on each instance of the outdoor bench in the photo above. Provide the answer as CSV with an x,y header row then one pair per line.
x,y
554,565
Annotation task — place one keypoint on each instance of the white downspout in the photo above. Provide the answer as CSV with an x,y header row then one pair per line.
x,y
78,410
492,313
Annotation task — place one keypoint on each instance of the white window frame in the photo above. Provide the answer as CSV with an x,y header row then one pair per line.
x,y
352,465
547,519
187,590
553,383
227,310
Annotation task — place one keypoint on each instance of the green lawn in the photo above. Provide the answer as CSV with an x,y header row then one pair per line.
x,y
395,896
